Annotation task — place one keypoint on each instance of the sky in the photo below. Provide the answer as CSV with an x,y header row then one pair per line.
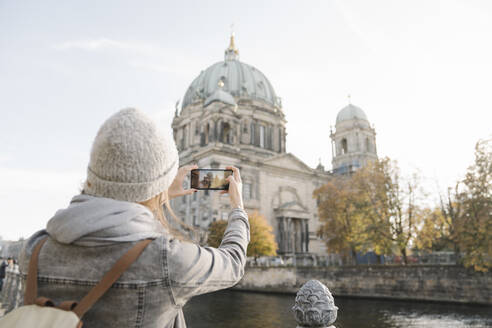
x,y
421,71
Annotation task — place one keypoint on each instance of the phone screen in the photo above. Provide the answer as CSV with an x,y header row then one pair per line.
x,y
210,179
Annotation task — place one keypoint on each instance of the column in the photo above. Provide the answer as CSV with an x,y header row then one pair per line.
x,y
281,234
306,229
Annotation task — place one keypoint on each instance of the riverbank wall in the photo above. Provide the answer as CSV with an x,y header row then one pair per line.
x,y
416,282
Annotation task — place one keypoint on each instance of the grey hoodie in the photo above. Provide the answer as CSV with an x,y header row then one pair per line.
x,y
97,221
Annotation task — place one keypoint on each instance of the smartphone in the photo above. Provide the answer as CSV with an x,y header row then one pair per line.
x,y
210,179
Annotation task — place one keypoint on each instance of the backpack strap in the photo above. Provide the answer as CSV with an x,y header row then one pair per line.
x,y
96,292
110,278
32,275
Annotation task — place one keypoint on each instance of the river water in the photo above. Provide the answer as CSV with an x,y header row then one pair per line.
x,y
235,309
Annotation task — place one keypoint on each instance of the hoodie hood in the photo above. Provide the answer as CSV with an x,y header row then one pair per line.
x,y
98,221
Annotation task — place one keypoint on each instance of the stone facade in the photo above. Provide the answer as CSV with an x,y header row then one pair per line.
x,y
232,116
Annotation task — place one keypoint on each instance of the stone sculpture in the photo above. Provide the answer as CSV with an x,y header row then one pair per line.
x,y
314,306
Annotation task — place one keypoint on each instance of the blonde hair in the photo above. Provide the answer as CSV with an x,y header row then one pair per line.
x,y
156,206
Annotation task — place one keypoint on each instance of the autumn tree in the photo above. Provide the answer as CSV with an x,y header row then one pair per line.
x,y
390,202
442,225
433,234
463,221
342,221
216,231
262,240
476,223
452,214
375,208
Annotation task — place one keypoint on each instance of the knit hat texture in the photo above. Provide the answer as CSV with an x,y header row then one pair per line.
x,y
131,159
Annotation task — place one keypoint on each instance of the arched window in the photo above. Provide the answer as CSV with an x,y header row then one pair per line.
x,y
202,137
226,133
215,129
344,146
368,145
207,133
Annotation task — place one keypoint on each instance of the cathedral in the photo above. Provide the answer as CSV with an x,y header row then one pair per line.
x,y
231,115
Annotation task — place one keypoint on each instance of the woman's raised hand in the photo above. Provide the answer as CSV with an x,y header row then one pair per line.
x,y
235,188
176,188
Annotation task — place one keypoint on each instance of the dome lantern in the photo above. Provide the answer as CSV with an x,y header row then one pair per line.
x,y
231,53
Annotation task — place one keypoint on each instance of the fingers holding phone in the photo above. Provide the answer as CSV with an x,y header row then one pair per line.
x,y
176,188
235,173
235,188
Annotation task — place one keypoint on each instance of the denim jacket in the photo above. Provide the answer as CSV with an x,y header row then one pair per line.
x,y
152,292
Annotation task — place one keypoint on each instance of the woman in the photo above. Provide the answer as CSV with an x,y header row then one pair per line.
x,y
132,173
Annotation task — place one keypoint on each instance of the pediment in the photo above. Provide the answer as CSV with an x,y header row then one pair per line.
x,y
292,206
216,111
288,161
292,209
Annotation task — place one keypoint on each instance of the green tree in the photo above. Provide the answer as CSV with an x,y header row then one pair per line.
x,y
262,240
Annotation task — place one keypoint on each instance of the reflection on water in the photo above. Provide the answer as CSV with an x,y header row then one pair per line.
x,y
241,309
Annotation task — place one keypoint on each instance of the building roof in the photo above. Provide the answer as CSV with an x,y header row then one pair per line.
x,y
351,112
240,80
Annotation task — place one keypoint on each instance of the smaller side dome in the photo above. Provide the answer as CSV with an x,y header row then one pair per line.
x,y
351,112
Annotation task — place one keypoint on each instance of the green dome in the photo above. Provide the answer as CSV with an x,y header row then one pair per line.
x,y
240,80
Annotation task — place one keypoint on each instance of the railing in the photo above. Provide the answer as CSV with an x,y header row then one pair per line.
x,y
435,258
296,260
441,258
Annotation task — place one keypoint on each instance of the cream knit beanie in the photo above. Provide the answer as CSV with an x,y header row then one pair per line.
x,y
131,159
